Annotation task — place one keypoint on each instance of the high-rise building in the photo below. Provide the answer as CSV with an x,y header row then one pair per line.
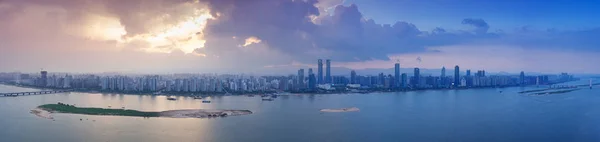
x,y
417,77
44,78
310,71
404,80
300,78
353,77
443,72
320,72
522,78
328,71
381,79
456,76
468,79
397,75
312,82
443,77
67,82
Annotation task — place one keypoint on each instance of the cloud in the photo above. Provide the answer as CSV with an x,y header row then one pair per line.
x,y
479,25
194,35
251,40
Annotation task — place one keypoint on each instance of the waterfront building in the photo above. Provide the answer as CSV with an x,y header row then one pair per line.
x,y
397,75
44,78
404,80
456,76
416,78
522,78
353,77
300,80
328,71
320,72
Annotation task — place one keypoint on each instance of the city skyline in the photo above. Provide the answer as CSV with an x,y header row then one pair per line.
x,y
211,36
299,83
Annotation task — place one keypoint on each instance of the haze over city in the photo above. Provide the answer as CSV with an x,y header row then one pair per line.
x,y
280,36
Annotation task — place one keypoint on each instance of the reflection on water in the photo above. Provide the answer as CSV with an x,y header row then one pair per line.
x,y
440,115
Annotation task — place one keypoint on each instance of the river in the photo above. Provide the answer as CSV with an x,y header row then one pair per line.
x,y
437,115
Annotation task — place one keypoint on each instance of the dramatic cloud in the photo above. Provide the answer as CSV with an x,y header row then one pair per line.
x,y
245,35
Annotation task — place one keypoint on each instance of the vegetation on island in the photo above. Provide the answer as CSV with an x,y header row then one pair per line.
x,y
66,108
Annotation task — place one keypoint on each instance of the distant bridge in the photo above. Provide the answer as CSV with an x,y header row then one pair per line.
x,y
16,94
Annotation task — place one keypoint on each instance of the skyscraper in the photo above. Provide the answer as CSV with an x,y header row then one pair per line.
x,y
320,72
522,78
44,79
443,77
417,77
312,83
468,79
397,75
443,72
300,78
404,79
310,71
353,77
328,71
456,76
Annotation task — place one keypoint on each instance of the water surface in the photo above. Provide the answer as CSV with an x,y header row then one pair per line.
x,y
443,115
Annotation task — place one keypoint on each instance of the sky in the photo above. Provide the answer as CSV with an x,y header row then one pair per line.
x,y
281,36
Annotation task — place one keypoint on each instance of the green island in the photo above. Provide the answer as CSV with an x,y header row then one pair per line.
x,y
45,110
65,108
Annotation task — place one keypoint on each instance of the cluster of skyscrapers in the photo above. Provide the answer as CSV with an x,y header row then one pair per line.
x,y
402,81
44,80
322,81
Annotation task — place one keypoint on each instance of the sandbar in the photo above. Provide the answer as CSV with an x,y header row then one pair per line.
x,y
351,109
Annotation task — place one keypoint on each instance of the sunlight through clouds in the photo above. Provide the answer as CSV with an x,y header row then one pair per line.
x,y
251,40
185,36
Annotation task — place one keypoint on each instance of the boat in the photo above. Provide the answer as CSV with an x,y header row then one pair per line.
x,y
197,97
250,95
274,96
171,99
265,95
267,98
206,101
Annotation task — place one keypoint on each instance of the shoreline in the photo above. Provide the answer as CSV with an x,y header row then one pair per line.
x,y
191,94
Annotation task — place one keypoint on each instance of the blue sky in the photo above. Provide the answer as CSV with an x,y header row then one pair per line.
x,y
500,14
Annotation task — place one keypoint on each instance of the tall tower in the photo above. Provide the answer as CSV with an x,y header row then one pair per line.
x,y
320,72
328,71
443,72
417,77
456,76
44,79
522,78
443,77
301,78
397,75
353,77
468,79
